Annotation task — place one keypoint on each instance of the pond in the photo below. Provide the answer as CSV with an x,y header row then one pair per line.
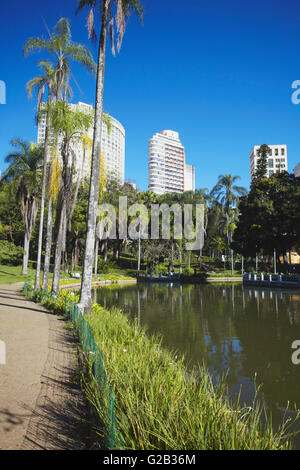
x,y
245,333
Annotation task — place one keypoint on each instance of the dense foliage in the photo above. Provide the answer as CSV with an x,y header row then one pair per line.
x,y
269,217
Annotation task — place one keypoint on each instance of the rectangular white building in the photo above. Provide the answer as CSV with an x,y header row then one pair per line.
x,y
189,178
297,170
166,163
277,160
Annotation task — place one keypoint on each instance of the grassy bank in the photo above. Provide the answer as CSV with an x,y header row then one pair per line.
x,y
13,274
158,405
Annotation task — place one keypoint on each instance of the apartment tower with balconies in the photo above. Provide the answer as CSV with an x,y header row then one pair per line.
x,y
277,160
166,163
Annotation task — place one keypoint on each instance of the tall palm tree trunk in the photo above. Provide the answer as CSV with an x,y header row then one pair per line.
x,y
48,246
139,252
96,256
40,242
62,213
59,249
86,298
26,254
29,211
105,251
180,261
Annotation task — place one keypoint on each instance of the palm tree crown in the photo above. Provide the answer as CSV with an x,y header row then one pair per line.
x,y
227,192
24,162
118,11
64,49
25,170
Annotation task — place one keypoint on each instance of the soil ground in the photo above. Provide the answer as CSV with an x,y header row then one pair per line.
x,y
41,404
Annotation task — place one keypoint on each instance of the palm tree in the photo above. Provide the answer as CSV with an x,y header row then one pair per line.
x,y
227,193
64,50
124,8
86,144
25,170
218,244
53,189
41,83
69,125
102,187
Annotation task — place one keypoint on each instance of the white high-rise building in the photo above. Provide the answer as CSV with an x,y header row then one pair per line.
x,y
297,171
166,163
112,145
189,178
277,160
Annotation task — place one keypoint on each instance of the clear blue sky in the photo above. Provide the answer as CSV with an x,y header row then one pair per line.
x,y
218,72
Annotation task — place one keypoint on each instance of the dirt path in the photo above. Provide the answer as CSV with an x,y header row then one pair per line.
x,y
41,406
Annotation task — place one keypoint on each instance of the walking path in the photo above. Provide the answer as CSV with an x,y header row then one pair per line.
x,y
41,406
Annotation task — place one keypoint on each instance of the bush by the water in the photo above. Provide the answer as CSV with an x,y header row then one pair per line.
x,y
105,267
188,271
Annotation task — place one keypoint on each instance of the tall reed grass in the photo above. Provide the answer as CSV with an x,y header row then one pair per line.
x,y
160,407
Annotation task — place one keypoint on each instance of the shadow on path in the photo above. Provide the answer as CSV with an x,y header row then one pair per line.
x,y
60,419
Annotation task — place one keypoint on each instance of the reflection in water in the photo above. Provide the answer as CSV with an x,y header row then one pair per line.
x,y
243,332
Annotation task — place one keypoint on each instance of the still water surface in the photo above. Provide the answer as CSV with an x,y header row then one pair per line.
x,y
243,332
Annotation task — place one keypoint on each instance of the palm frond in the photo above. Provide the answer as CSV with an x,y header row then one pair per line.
x,y
91,26
82,55
55,171
62,30
36,45
85,3
111,33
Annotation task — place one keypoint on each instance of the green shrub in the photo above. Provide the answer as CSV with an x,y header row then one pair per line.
x,y
105,267
10,253
187,271
159,268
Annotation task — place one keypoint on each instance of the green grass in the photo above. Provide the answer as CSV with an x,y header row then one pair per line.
x,y
13,274
225,273
112,276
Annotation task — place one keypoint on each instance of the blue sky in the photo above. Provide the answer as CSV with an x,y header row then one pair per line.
x,y
218,72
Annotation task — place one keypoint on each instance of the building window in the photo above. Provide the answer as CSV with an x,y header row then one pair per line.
x,y
271,162
282,151
276,152
271,172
